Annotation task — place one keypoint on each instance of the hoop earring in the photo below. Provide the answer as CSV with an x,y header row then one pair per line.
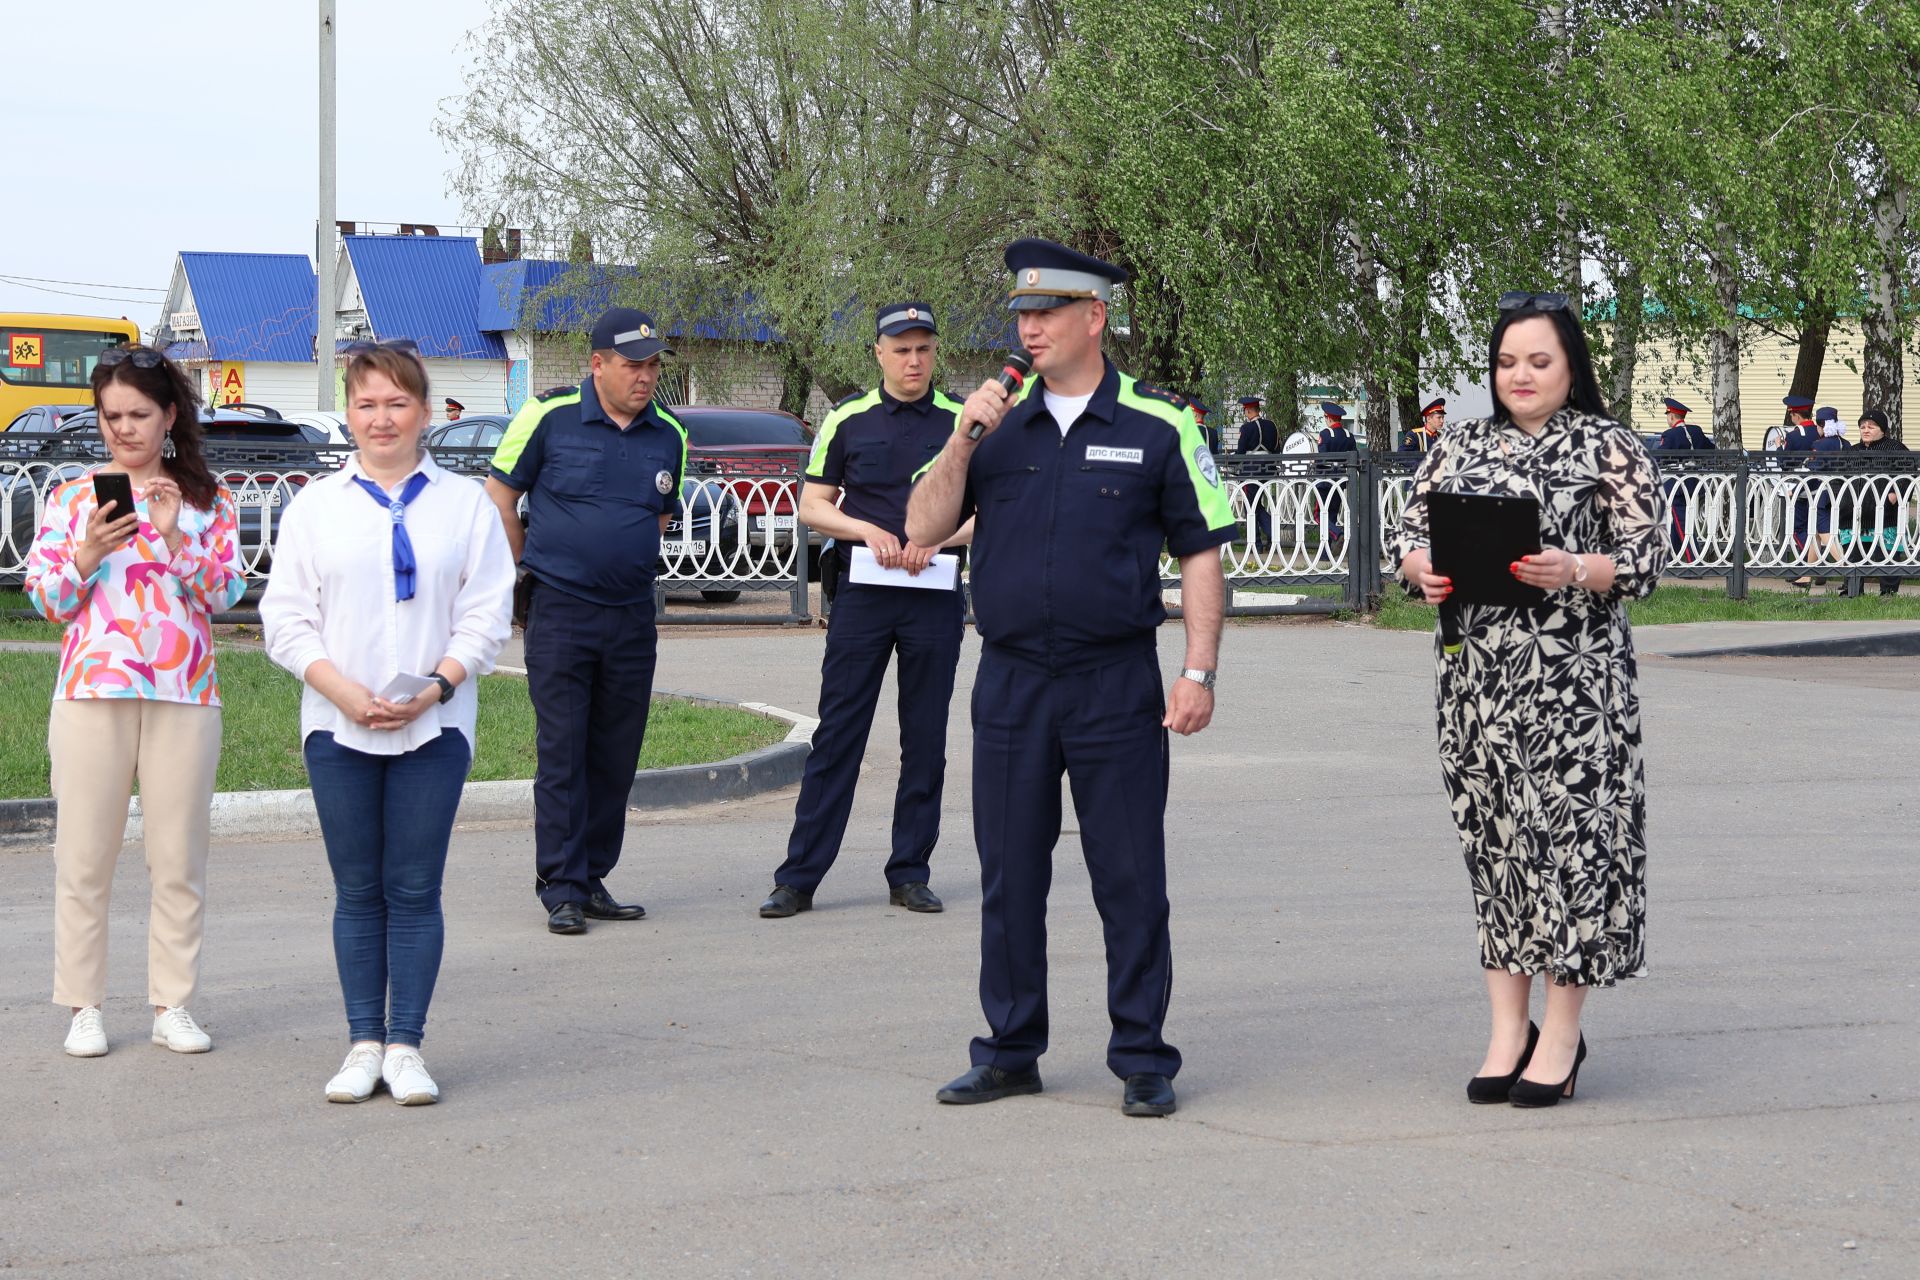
x,y
166,446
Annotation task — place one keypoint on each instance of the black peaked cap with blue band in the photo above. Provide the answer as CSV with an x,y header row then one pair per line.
x,y
1048,275
896,318
631,333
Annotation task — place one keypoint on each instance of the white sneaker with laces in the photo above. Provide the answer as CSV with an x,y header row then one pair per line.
x,y
177,1030
358,1076
87,1037
407,1078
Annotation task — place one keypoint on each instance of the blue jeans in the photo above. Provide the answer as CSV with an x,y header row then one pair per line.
x,y
387,821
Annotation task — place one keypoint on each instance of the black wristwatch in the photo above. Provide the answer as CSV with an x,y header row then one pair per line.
x,y
446,685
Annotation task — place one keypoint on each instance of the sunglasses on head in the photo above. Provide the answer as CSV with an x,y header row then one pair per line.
x,y
407,345
139,357
1520,298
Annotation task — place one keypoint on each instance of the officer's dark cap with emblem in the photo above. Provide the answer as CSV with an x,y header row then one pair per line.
x,y
1797,402
1674,406
630,333
1048,275
1332,410
897,318
1436,405
1251,402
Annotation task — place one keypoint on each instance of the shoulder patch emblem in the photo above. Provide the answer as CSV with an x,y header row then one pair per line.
x,y
553,392
1203,459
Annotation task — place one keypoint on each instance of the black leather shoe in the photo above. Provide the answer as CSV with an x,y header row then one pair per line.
x,y
914,897
566,918
785,900
1147,1094
990,1084
601,906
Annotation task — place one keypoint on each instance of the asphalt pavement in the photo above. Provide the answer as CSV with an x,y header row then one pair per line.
x,y
709,1093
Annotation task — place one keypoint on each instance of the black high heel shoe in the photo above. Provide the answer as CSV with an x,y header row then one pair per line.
x,y
1496,1088
1526,1093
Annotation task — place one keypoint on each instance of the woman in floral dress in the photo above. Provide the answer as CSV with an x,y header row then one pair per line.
x,y
1539,717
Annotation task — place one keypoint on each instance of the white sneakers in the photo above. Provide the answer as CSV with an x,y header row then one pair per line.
x,y
87,1038
399,1068
359,1075
407,1078
177,1030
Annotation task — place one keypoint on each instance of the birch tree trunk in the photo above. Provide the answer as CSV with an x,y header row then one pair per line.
x,y
1883,367
1723,346
1629,315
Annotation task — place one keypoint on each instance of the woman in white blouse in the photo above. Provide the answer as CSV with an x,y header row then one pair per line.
x,y
388,573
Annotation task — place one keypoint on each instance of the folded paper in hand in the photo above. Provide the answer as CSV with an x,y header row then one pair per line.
x,y
942,575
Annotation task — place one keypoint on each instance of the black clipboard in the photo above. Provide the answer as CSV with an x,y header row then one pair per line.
x,y
1475,539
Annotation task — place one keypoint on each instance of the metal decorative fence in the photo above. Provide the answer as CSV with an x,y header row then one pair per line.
x,y
1311,538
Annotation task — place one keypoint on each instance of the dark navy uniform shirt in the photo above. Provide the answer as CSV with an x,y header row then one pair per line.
x,y
1068,530
595,492
872,445
1684,436
1415,440
1800,439
1258,433
1336,440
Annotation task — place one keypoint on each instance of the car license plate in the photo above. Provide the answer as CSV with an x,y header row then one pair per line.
x,y
257,498
776,522
684,547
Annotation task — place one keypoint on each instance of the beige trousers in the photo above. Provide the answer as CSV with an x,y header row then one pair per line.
x,y
98,746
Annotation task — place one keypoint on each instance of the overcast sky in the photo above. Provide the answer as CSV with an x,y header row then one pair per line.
x,y
135,130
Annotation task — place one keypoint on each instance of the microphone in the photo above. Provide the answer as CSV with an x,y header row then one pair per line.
x,y
1012,376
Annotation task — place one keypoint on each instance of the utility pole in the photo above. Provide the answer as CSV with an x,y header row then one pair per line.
x,y
323,254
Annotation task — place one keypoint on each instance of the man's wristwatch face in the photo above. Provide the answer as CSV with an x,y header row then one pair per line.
x,y
1202,678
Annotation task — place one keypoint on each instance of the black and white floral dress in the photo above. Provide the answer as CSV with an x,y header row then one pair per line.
x,y
1539,716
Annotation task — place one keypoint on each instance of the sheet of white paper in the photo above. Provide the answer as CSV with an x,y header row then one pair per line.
x,y
405,688
942,575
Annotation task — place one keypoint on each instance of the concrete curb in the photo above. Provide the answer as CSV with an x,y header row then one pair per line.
x,y
238,814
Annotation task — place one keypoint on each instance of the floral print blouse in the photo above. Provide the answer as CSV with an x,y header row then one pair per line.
x,y
142,625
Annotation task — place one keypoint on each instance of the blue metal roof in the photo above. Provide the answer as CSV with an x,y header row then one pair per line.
x,y
426,288
542,296
253,306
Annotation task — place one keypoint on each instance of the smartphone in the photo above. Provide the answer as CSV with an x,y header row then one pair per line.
x,y
115,487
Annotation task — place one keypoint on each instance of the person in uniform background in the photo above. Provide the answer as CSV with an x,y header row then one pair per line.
x,y
601,466
1335,439
1680,434
857,480
454,409
1257,432
1211,434
1800,438
1832,439
1420,437
1076,486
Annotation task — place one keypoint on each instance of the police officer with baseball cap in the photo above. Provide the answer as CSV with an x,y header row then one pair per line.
x,y
1076,483
600,466
857,480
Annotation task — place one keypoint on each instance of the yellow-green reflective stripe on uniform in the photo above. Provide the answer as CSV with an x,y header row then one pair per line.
x,y
817,460
1215,507
945,401
675,423
506,455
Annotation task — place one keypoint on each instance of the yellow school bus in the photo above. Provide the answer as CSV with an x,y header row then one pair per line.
x,y
49,359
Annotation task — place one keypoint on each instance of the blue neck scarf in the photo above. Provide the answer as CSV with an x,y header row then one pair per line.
x,y
404,570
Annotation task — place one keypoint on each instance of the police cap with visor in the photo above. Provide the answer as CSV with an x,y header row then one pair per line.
x,y
1048,275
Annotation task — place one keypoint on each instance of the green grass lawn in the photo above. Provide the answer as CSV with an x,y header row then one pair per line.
x,y
260,747
35,628
1696,604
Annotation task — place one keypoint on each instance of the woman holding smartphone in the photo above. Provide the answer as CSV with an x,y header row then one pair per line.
x,y
135,560
390,591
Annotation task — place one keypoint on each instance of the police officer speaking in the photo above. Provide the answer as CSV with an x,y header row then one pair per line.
x,y
1080,481
601,466
864,460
